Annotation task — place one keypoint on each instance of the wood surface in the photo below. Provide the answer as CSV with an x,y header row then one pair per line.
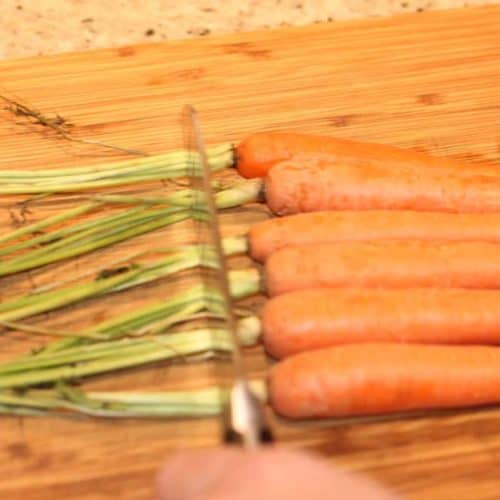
x,y
424,81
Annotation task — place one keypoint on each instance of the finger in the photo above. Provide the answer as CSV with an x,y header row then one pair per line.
x,y
190,473
267,474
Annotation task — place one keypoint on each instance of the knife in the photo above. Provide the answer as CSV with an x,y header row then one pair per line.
x,y
243,416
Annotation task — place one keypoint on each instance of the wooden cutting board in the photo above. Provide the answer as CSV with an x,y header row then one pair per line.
x,y
425,81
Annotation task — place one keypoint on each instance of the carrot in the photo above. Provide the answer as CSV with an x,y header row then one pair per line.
x,y
267,236
308,186
322,317
257,153
384,265
384,378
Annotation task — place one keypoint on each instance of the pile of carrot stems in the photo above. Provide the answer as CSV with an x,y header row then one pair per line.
x,y
170,165
143,336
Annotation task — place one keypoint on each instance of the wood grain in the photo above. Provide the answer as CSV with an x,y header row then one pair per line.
x,y
427,81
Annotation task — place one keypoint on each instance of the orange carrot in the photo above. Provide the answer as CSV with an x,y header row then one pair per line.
x,y
309,186
257,153
323,317
267,236
385,265
372,379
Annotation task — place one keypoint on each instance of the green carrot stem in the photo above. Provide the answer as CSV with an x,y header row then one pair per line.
x,y
249,191
203,402
44,331
167,166
245,282
182,197
89,225
169,160
88,228
248,331
106,227
72,241
50,221
187,257
129,261
44,256
167,313
176,398
158,317
21,411
89,363
33,399
48,301
240,194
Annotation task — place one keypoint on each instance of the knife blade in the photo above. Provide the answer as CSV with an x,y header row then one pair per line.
x,y
243,417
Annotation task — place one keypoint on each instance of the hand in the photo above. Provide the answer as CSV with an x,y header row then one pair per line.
x,y
267,474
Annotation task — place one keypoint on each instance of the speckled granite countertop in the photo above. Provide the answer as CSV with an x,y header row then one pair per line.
x,y
30,27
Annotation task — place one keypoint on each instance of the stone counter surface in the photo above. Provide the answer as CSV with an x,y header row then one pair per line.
x,y
39,27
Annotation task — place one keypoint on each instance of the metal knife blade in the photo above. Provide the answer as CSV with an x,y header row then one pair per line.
x,y
244,421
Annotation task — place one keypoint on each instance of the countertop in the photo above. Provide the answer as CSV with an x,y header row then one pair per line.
x,y
30,28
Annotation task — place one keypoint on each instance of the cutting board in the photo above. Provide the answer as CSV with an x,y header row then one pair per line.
x,y
424,81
